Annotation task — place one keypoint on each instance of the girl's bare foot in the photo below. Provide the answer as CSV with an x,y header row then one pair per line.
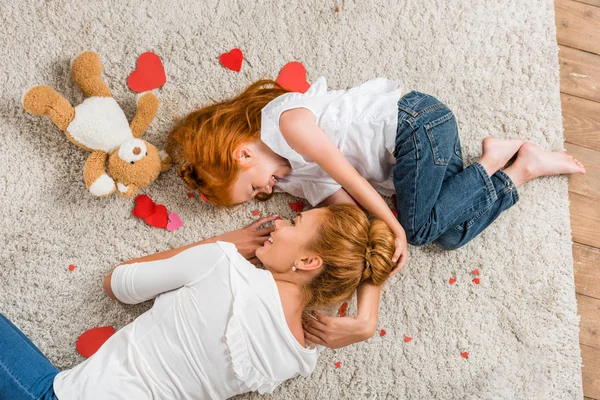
x,y
533,162
497,152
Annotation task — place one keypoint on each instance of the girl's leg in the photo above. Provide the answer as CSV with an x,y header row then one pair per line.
x,y
25,373
433,190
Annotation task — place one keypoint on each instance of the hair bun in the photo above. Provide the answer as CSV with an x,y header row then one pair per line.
x,y
378,252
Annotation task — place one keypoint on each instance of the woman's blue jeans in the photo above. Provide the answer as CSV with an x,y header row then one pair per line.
x,y
25,373
438,199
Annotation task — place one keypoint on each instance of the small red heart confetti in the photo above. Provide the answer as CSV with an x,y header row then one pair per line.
x,y
338,364
343,308
277,217
293,77
149,74
464,354
232,60
382,332
476,281
204,198
91,340
71,267
297,206
407,338
255,213
452,280
190,195
475,272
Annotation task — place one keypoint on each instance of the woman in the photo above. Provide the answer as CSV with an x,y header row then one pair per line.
x,y
219,327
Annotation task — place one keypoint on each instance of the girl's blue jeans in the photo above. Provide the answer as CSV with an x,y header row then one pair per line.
x,y
438,199
25,373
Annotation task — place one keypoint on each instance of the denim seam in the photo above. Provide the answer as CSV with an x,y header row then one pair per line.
x,y
412,217
17,380
509,184
491,194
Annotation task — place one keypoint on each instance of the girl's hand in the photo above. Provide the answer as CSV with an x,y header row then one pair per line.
x,y
336,332
401,254
250,238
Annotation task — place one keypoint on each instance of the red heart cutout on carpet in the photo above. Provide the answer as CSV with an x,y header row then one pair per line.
x,y
293,77
232,60
159,218
338,364
297,206
464,354
71,267
342,310
144,206
149,74
255,213
476,281
451,281
382,332
91,340
407,338
476,272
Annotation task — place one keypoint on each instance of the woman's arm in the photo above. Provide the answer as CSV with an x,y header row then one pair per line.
x,y
247,240
336,332
300,130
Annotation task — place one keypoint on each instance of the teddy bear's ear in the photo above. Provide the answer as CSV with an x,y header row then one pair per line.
x,y
126,191
165,161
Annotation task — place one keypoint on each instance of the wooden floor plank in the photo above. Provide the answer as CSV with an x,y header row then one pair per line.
x,y
590,2
587,270
579,73
577,25
588,184
585,219
589,326
591,371
581,121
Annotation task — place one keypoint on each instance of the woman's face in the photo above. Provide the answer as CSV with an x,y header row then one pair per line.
x,y
286,246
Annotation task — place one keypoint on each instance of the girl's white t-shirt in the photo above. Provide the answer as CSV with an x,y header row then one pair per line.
x,y
361,122
216,329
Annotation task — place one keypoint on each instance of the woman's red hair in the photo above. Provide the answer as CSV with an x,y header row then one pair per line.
x,y
203,142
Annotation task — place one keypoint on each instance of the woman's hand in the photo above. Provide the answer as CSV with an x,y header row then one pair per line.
x,y
250,238
401,253
336,332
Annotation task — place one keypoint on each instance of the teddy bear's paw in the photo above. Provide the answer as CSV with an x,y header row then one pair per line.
x,y
103,186
39,100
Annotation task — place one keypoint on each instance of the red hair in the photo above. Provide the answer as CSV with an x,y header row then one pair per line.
x,y
204,141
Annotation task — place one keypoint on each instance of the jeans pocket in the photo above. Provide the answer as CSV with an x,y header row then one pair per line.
x,y
442,134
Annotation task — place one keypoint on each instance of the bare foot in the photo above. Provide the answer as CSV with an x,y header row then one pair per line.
x,y
497,152
533,162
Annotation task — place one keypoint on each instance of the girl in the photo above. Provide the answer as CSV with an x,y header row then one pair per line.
x,y
350,146
219,327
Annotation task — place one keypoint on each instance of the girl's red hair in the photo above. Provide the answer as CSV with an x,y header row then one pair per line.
x,y
203,142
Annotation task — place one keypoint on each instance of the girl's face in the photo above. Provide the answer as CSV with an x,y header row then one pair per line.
x,y
286,246
266,168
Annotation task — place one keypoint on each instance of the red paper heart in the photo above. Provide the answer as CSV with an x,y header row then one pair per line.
x,y
190,195
255,213
71,267
159,218
464,354
232,60
149,74
297,206
382,332
407,338
338,364
293,77
451,281
475,272
342,310
90,341
144,206
476,281
204,198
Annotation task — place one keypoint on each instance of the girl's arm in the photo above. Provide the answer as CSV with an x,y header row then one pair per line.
x,y
341,196
299,128
247,240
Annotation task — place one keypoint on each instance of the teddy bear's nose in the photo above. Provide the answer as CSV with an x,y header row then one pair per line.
x,y
136,150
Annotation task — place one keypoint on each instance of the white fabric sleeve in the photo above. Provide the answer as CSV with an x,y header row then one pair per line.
x,y
139,282
315,192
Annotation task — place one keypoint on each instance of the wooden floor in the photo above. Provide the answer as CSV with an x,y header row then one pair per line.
x,y
578,35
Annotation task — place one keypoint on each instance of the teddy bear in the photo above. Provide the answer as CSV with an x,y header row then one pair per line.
x,y
99,126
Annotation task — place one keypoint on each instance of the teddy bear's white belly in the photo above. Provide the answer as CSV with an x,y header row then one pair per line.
x,y
100,124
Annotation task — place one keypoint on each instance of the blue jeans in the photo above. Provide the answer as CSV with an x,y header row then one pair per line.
x,y
25,373
438,199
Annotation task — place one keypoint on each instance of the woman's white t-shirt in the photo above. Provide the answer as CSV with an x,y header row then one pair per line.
x,y
216,329
361,122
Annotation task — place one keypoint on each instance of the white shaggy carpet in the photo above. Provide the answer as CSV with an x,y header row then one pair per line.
x,y
494,62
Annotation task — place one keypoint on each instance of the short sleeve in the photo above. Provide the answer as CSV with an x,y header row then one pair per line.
x,y
316,192
139,282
